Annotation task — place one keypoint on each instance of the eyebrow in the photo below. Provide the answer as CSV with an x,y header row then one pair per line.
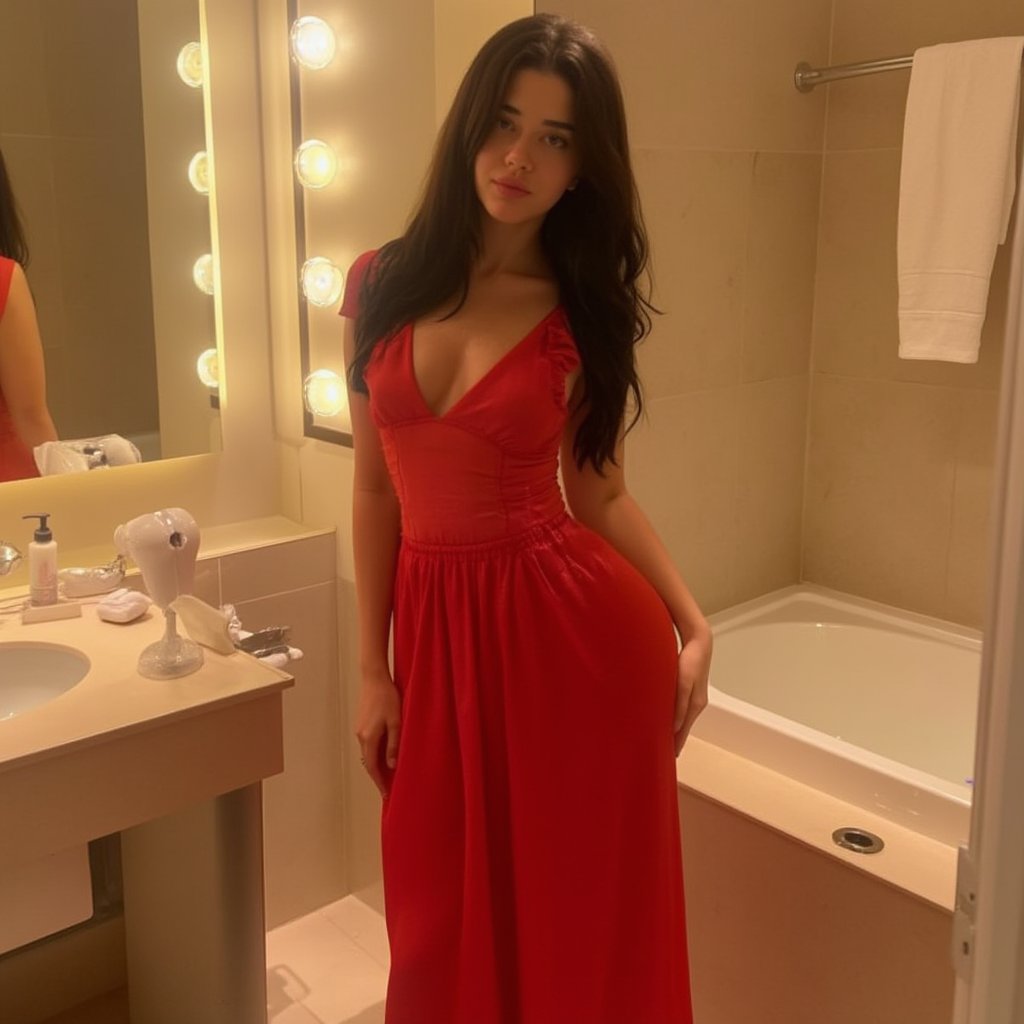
x,y
565,125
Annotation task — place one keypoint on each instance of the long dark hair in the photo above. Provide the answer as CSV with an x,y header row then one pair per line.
x,y
593,237
12,237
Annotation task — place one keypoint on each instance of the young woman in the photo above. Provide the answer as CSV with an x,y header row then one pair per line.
x,y
525,742
24,417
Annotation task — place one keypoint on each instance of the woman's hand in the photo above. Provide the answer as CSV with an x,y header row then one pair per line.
x,y
378,720
691,686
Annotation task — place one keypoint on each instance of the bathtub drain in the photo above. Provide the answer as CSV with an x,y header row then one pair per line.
x,y
857,839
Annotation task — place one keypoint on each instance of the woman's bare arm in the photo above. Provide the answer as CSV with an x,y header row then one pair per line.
x,y
603,504
375,536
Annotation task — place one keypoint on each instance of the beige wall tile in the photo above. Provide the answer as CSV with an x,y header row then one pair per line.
x,y
880,473
779,277
697,209
855,294
278,569
22,66
682,466
968,569
856,330
99,185
713,76
770,483
98,97
782,934
304,807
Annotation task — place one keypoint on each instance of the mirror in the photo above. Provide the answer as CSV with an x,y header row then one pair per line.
x,y
98,129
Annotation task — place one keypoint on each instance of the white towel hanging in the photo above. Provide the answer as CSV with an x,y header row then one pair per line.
x,y
957,183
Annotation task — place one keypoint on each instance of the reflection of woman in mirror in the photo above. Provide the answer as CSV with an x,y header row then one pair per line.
x,y
525,741
24,418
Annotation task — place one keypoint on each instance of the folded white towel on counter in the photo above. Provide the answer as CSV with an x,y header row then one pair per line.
x,y
957,182
124,605
78,456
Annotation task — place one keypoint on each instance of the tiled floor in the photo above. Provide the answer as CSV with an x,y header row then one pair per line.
x,y
329,967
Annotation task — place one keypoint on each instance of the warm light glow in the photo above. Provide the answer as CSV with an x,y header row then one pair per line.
x,y
190,65
202,273
208,368
315,164
324,392
313,43
199,172
322,281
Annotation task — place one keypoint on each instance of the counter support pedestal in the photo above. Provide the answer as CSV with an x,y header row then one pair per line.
x,y
194,913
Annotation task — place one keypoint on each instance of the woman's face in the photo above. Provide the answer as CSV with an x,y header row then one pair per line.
x,y
529,159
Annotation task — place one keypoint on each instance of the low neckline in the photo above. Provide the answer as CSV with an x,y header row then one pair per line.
x,y
473,388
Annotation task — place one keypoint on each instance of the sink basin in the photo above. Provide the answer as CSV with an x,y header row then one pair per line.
x,y
34,673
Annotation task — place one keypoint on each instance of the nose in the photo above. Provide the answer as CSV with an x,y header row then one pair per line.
x,y
517,156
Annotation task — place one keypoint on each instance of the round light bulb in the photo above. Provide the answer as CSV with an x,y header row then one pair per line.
x,y
315,164
208,368
190,65
313,43
199,172
322,281
324,392
202,273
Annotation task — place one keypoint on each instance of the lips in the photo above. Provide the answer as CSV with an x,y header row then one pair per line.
x,y
510,187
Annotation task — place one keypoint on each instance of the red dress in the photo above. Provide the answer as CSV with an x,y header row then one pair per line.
x,y
16,462
531,854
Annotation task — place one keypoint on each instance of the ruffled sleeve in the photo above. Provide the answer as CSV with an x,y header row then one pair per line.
x,y
354,284
562,355
6,273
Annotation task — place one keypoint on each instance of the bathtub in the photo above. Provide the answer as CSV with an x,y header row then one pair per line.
x,y
874,706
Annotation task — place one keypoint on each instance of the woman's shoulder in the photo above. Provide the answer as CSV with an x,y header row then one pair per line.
x,y
354,279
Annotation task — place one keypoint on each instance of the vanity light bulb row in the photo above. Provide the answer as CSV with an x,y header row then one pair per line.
x,y
313,46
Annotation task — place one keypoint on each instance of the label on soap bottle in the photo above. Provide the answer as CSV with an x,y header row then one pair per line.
x,y
42,573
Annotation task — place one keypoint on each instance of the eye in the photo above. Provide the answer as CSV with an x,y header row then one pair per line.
x,y
505,124
557,141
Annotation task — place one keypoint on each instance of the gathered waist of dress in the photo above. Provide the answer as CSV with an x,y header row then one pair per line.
x,y
542,532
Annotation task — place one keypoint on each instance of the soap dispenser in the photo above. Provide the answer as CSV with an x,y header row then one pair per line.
x,y
42,562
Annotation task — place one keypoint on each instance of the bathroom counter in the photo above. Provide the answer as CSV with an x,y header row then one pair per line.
x,y
119,749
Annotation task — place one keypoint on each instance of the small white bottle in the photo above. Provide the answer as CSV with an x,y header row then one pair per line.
x,y
42,563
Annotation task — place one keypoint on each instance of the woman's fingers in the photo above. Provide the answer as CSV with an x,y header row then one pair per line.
x,y
691,691
391,752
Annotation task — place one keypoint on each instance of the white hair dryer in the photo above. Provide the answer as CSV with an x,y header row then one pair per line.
x,y
164,546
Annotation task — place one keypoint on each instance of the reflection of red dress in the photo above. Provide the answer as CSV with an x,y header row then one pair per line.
x,y
530,842
16,460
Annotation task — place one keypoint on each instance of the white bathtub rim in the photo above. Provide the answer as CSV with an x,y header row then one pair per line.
x,y
886,790
848,609
888,767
